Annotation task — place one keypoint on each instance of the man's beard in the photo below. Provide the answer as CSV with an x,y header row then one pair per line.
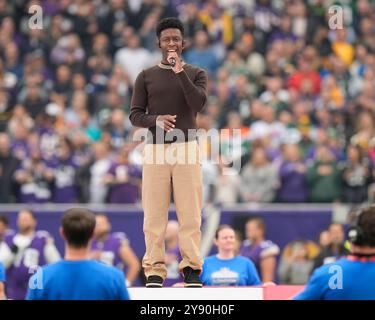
x,y
102,235
26,229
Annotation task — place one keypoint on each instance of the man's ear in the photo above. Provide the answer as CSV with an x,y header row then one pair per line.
x,y
215,242
61,231
183,44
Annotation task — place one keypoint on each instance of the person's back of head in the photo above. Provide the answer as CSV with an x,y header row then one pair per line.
x,y
78,227
362,230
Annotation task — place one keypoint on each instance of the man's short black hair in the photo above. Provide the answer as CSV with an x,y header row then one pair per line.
x,y
4,220
78,226
169,23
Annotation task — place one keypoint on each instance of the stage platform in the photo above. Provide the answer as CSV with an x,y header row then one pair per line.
x,y
216,293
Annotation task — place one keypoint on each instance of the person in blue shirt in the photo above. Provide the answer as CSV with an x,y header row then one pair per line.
x,y
225,268
77,277
2,281
352,277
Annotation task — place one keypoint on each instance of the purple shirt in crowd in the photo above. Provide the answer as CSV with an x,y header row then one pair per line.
x,y
65,188
124,192
293,183
36,190
20,149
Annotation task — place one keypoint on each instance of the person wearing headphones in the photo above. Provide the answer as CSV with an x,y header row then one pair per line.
x,y
352,277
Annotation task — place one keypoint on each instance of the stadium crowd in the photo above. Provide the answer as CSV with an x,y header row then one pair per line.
x,y
301,94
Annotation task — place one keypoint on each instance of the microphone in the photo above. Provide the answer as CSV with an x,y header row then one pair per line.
x,y
172,61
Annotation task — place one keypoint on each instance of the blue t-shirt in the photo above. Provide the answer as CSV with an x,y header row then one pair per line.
x,y
238,271
2,273
77,280
342,280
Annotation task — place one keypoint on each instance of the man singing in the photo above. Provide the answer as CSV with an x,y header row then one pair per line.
x,y
166,99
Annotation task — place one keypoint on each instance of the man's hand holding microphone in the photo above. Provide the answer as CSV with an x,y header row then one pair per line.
x,y
175,61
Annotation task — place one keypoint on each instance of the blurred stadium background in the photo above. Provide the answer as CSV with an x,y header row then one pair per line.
x,y
302,95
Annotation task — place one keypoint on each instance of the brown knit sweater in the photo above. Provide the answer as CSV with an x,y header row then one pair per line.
x,y
160,91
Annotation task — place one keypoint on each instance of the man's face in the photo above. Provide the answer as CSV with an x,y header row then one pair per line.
x,y
171,40
253,232
226,240
25,222
102,226
4,144
336,233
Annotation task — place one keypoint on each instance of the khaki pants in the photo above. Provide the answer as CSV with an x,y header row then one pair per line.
x,y
171,167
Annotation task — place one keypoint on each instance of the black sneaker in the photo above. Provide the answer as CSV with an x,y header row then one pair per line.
x,y
154,282
191,278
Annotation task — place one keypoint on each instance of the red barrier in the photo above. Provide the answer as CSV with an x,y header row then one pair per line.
x,y
281,292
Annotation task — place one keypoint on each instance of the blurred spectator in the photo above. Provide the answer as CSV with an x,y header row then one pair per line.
x,y
190,19
29,248
225,268
201,53
68,49
228,184
98,169
262,252
297,262
234,141
364,131
275,95
114,249
218,23
118,128
356,176
8,166
65,188
8,80
63,83
34,99
123,179
323,177
259,178
34,178
268,127
335,249
293,185
324,238
305,79
19,143
342,48
20,117
133,58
